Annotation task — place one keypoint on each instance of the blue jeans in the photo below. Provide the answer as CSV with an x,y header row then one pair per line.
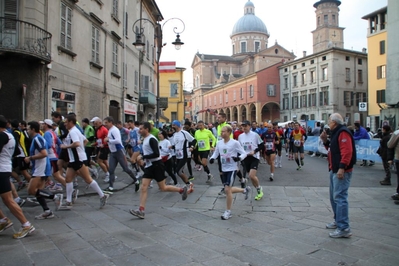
x,y
339,198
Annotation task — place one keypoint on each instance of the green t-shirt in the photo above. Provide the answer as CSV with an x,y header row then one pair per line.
x,y
89,133
155,131
203,137
219,131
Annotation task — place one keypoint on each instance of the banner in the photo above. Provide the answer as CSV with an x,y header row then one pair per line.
x,y
366,149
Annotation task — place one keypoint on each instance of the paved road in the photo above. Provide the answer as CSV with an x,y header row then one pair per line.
x,y
287,227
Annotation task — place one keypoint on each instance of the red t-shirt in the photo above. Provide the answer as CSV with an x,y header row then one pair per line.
x,y
101,134
237,133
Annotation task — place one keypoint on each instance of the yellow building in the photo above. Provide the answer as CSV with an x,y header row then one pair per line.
x,y
171,88
377,60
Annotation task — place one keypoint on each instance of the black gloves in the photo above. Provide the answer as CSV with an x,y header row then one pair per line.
x,y
236,159
211,161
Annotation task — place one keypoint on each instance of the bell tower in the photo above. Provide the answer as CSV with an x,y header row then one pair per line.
x,y
327,34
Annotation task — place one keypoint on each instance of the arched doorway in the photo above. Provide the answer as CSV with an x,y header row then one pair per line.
x,y
114,110
271,111
252,109
243,113
235,114
228,114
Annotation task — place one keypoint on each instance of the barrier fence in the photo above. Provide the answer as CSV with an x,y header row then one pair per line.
x,y
365,149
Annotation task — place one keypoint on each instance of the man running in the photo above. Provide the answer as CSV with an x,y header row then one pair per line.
x,y
271,141
252,144
279,146
102,146
298,138
7,148
202,136
154,169
76,151
228,149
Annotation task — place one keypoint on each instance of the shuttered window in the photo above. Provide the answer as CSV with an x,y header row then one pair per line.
x,y
66,27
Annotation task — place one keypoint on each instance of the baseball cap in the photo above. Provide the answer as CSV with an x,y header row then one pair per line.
x,y
245,123
176,123
96,118
151,122
48,122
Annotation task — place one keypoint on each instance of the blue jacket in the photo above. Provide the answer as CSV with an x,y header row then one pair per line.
x,y
361,134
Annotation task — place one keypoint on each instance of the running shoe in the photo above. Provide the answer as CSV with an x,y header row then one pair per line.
x,y
199,168
246,192
184,193
279,165
65,205
137,185
45,215
104,200
190,188
93,172
302,162
21,185
56,188
395,196
222,193
58,201
191,178
137,213
259,196
226,215
5,225
32,200
243,182
109,190
21,202
299,168
341,233
75,193
106,180
210,178
24,232
332,225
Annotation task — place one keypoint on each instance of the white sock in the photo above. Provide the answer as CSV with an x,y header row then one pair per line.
x,y
26,224
3,220
94,185
69,191
17,199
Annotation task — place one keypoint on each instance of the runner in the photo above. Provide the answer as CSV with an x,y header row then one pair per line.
x,y
271,141
279,132
154,169
298,138
202,136
102,146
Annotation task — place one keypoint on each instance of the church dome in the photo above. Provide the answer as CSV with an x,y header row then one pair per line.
x,y
249,22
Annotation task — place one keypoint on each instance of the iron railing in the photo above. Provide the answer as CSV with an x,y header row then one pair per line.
x,y
24,37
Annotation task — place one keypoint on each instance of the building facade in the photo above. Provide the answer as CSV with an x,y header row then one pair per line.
x,y
77,56
330,80
171,89
244,85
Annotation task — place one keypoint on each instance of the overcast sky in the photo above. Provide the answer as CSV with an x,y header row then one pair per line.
x,y
208,25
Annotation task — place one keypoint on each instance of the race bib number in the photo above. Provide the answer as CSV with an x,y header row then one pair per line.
x,y
225,160
179,154
269,145
201,144
99,142
247,148
148,163
297,143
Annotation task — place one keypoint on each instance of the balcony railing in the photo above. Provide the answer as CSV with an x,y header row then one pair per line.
x,y
23,37
147,97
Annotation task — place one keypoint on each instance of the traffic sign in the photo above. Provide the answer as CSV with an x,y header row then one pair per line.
x,y
362,106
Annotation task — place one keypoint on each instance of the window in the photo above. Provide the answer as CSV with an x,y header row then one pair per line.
x,y
220,99
325,73
234,95
348,99
360,76
227,97
312,61
295,81
66,27
303,100
115,57
285,69
136,80
115,8
251,91
359,97
125,75
286,82
312,76
148,50
95,45
382,47
257,46
126,24
294,67
325,19
324,58
381,72
347,74
145,82
333,19
303,64
173,115
241,94
324,97
303,78
312,98
271,90
295,102
243,47
286,105
347,58
318,21
174,90
214,100
359,61
233,49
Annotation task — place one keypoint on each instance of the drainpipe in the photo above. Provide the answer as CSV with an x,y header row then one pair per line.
x,y
105,74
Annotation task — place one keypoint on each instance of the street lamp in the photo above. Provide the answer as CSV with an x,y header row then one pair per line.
x,y
139,44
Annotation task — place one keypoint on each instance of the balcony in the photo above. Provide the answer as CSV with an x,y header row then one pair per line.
x,y
146,97
22,37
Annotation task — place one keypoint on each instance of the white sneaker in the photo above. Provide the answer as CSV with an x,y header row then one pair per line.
x,y
313,155
106,180
226,215
279,165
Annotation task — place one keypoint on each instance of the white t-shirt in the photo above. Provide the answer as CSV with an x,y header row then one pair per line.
x,y
164,148
179,138
228,150
114,139
250,141
148,150
77,154
7,152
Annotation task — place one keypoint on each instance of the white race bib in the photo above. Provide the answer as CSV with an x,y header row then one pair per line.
x,y
269,145
201,144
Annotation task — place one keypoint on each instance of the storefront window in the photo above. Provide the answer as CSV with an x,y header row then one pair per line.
x,y
63,102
